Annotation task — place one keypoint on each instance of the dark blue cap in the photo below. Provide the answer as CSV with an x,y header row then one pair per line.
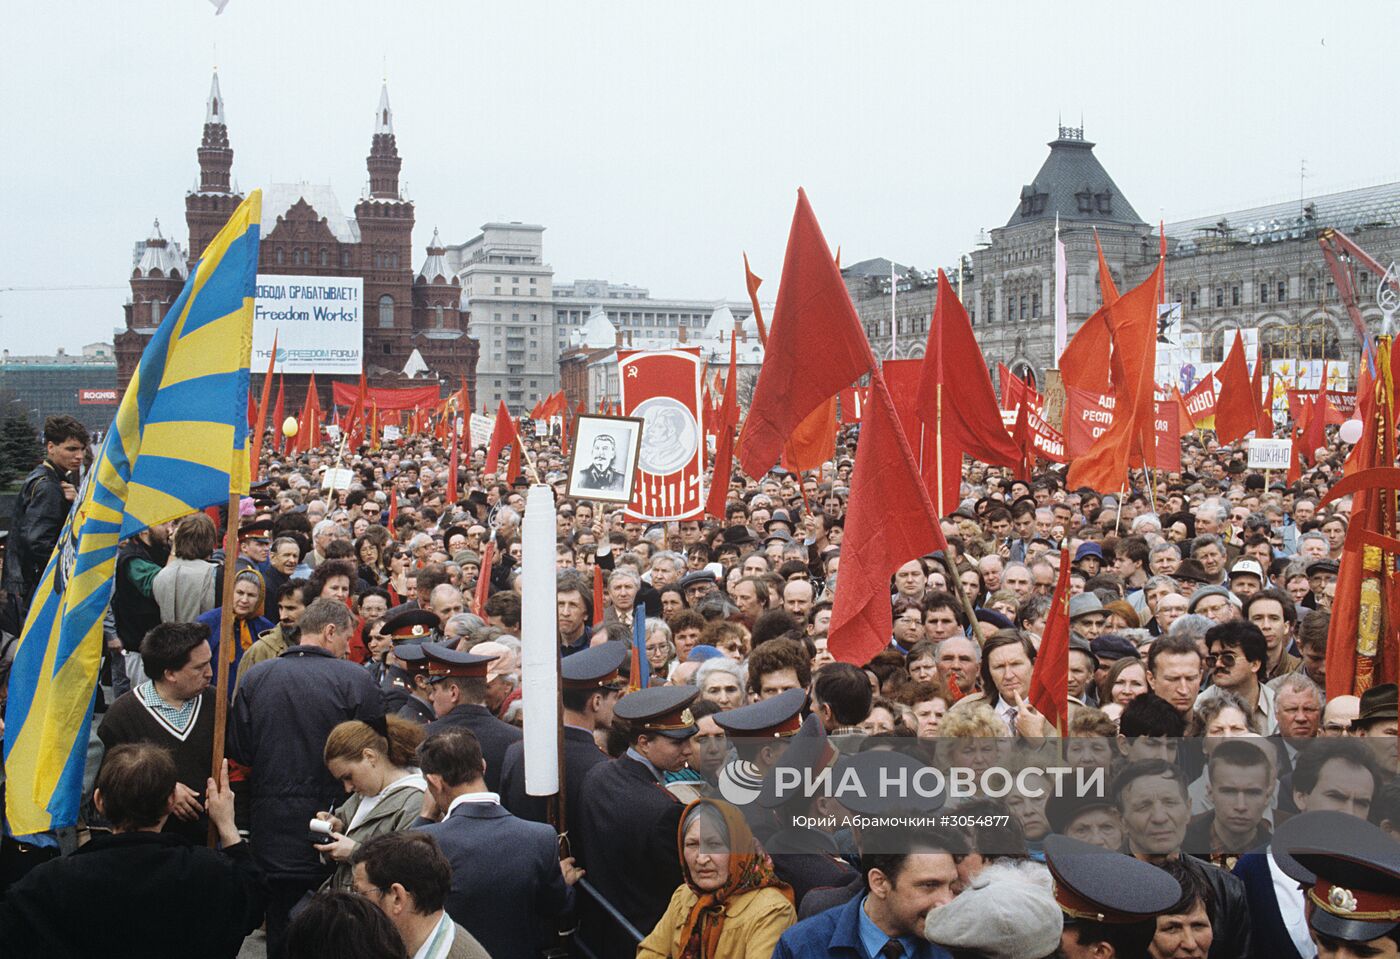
x,y
415,625
1355,894
773,717
411,654
808,752
1089,549
444,662
595,667
1093,884
659,709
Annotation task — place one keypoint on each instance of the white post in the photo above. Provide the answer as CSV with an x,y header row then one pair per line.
x,y
894,335
539,645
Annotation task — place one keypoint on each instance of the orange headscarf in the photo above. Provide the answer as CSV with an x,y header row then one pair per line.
x,y
750,868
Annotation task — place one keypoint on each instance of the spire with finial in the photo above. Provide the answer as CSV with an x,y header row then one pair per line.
x,y
215,154
435,267
383,160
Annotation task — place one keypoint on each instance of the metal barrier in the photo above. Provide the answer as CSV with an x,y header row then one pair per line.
x,y
613,913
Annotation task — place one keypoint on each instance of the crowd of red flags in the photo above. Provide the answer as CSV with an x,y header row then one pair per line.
x,y
1049,690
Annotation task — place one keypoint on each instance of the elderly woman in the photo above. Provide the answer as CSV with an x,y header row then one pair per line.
x,y
732,904
248,621
722,682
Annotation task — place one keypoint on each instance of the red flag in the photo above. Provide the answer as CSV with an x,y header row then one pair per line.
x,y
724,444
813,442
889,521
1265,427
260,423
1025,442
483,578
752,283
1107,288
500,436
956,398
393,509
597,594
816,347
309,430
1049,692
1082,363
279,414
513,466
1237,401
1133,322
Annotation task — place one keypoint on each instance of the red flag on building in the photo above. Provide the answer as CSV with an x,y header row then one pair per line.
x,y
889,521
1049,692
816,346
1237,401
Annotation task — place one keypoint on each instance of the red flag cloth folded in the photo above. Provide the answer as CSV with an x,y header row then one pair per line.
x,y
889,521
956,398
260,424
815,348
393,509
1082,363
902,380
752,283
1237,400
813,442
597,594
726,421
1049,692
279,413
452,470
1265,423
1133,322
1107,288
500,436
483,577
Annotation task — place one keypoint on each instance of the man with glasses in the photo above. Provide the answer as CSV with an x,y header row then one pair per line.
x,y
1338,715
1237,659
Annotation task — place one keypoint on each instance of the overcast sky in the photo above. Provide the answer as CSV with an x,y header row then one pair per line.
x,y
656,141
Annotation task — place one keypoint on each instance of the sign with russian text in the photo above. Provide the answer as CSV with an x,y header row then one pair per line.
x,y
663,389
318,323
1270,454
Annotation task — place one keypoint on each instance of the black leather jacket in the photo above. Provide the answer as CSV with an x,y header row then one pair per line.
x,y
40,512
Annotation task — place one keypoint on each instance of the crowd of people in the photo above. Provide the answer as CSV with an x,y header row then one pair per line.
x,y
374,801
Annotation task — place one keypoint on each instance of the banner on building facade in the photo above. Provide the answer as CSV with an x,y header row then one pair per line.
x,y
317,322
663,389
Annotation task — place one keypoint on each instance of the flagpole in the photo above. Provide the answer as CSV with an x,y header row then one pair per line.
x,y
225,648
954,584
894,336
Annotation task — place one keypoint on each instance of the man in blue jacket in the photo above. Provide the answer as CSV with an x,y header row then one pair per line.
x,y
508,883
886,921
282,713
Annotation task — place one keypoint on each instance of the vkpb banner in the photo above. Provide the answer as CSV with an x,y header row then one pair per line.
x,y
318,322
662,387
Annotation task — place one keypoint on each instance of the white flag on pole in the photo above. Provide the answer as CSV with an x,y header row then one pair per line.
x,y
1061,312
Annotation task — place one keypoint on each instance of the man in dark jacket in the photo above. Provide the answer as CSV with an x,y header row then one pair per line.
x,y
134,607
101,901
508,883
40,511
459,698
625,827
283,712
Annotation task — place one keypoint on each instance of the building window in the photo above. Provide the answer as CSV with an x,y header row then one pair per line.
x,y
1085,199
345,258
1035,305
437,316
387,349
1010,309
1263,292
281,258
1220,296
155,312
1235,295
1195,297
325,258
1283,291
1023,306
1312,287
386,312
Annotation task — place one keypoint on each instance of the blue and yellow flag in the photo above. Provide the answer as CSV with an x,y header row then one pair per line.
x,y
178,444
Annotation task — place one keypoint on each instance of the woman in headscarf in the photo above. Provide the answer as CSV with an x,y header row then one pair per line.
x,y
248,621
731,906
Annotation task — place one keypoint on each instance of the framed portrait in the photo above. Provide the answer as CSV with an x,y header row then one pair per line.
x,y
603,463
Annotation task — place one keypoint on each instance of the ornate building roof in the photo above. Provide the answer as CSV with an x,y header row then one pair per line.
x,y
158,256
435,266
1366,208
1073,184
278,198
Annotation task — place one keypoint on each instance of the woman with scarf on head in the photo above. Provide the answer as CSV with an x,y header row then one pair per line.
x,y
249,623
732,905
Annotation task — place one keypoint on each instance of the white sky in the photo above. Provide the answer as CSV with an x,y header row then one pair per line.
x,y
656,141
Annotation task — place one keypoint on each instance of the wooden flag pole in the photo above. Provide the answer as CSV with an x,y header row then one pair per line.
x,y
221,682
954,583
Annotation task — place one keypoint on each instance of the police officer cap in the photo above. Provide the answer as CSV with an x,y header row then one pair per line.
x,y
595,667
890,783
444,662
414,660
808,753
1356,894
258,529
1093,884
411,625
779,716
663,710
